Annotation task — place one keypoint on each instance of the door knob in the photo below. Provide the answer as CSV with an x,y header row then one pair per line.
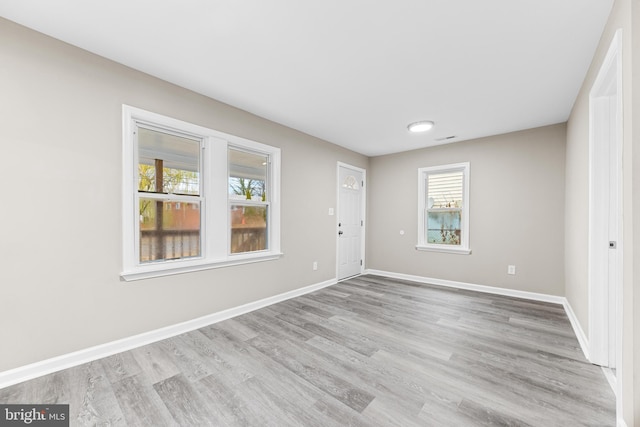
x,y
340,233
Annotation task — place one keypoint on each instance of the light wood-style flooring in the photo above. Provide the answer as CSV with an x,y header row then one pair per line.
x,y
369,351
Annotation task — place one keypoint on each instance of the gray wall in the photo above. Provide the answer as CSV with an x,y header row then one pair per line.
x,y
631,335
516,212
60,249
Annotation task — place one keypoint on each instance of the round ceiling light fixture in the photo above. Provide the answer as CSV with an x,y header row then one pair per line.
x,y
421,126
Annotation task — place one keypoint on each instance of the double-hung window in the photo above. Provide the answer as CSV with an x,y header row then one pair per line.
x,y
195,198
443,208
169,194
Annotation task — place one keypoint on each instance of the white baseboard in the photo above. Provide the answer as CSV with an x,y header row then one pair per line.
x,y
611,379
48,366
582,339
577,329
472,287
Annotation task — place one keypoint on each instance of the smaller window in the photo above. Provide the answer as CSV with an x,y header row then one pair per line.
x,y
443,208
351,183
249,196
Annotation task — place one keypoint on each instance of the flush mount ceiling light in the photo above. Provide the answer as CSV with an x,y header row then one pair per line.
x,y
421,126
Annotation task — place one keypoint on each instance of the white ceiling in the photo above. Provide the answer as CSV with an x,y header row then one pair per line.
x,y
352,72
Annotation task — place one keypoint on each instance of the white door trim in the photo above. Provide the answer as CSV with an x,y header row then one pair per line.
x,y
363,206
606,134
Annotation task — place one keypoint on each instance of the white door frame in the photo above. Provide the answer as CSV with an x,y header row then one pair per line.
x,y
363,206
605,209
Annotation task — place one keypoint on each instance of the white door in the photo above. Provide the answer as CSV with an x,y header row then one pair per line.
x,y
605,214
350,220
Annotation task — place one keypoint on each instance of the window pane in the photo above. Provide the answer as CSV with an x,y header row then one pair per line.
x,y
247,175
444,190
443,226
351,182
248,228
169,230
168,163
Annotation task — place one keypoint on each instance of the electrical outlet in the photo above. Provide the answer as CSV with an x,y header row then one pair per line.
x,y
511,269
315,265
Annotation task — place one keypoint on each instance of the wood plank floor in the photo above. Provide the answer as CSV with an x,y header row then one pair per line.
x,y
370,351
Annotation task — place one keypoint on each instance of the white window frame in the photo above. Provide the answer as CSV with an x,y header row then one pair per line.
x,y
423,174
215,219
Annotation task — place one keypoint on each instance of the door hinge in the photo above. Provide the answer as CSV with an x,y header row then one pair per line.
x,y
361,223
360,262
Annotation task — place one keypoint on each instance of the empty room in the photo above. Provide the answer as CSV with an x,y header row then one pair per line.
x,y
409,213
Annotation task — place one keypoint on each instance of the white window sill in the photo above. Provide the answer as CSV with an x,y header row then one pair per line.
x,y
169,268
444,249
